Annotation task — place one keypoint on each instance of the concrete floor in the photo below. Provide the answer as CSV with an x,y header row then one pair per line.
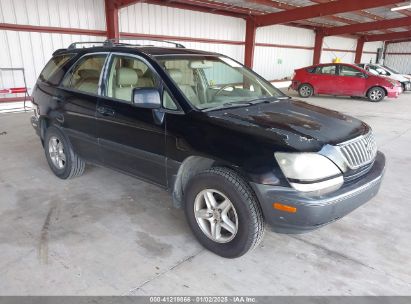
x,y
108,234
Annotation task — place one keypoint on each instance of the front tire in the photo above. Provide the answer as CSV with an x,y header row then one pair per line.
x,y
62,159
376,94
223,212
305,90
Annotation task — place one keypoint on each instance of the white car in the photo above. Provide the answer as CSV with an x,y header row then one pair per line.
x,y
382,70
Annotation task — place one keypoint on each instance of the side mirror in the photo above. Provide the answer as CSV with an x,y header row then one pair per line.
x,y
147,98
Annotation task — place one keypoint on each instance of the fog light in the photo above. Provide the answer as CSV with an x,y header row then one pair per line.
x,y
284,208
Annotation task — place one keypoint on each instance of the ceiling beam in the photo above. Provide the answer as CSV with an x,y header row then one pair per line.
x,y
368,26
365,14
196,5
389,37
287,7
320,10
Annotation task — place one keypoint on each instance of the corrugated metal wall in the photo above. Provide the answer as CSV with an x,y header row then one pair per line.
x,y
340,43
144,18
275,60
32,50
84,14
401,59
371,47
344,48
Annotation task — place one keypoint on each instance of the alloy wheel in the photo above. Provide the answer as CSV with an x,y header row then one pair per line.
x,y
216,216
305,91
56,152
375,95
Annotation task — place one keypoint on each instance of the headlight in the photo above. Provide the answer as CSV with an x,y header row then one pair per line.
x,y
310,172
393,83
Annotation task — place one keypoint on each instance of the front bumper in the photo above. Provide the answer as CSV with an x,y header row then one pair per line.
x,y
394,92
314,212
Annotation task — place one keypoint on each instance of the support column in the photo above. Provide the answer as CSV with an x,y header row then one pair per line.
x,y
249,42
358,51
318,47
112,20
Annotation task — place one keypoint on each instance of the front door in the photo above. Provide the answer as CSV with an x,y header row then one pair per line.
x,y
131,139
351,81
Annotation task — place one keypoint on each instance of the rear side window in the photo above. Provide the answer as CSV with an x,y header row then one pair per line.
x,y
327,70
85,75
311,70
53,72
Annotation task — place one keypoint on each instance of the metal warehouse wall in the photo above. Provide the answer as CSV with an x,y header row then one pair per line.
x,y
341,47
398,56
370,50
32,50
344,48
281,49
188,26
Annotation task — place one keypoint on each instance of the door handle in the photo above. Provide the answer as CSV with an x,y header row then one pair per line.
x,y
105,111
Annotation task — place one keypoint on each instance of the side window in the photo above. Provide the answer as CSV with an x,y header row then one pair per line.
x,y
53,72
168,102
346,70
327,70
85,75
311,70
127,73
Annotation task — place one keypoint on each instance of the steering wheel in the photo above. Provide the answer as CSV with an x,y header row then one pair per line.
x,y
223,88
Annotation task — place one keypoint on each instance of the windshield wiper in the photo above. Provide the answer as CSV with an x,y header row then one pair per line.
x,y
227,105
263,100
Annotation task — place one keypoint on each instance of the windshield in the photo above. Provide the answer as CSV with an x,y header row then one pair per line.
x,y
217,81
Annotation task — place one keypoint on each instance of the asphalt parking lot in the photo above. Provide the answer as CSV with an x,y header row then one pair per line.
x,y
107,233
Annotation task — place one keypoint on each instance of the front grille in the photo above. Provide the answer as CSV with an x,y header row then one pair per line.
x,y
360,151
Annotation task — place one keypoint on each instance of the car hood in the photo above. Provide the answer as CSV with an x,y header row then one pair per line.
x,y
397,77
292,123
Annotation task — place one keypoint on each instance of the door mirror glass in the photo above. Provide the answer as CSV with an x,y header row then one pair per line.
x,y
146,98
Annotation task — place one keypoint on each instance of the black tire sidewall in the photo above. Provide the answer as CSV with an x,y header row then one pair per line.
x,y
241,242
65,172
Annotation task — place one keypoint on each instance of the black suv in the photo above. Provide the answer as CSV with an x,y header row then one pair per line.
x,y
233,150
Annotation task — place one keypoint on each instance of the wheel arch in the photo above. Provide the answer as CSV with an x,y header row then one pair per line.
x,y
191,166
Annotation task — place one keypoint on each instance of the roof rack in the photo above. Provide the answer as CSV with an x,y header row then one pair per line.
x,y
103,43
117,42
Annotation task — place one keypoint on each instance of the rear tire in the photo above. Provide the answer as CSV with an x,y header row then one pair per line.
x,y
218,194
376,94
62,159
306,90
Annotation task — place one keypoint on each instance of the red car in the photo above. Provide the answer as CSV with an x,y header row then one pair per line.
x,y
343,80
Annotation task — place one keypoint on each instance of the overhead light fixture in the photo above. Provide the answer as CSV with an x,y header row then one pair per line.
x,y
400,8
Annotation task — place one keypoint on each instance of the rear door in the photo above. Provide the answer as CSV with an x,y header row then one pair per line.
x,y
351,81
324,79
78,96
131,139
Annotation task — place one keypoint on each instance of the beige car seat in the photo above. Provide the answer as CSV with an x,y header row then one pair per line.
x,y
144,81
126,81
88,81
188,90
